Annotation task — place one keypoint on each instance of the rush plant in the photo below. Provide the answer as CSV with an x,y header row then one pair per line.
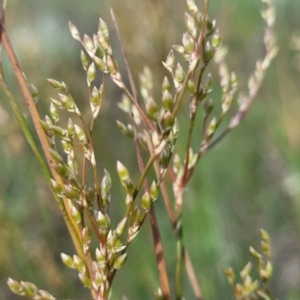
x,y
153,127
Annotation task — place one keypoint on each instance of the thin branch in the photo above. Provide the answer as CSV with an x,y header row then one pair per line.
x,y
187,261
73,228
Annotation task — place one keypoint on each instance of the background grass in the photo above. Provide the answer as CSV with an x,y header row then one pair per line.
x,y
251,180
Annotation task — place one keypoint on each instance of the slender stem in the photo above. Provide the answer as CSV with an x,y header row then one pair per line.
x,y
73,228
187,261
144,174
143,115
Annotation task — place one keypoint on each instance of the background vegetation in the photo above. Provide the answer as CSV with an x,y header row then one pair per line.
x,y
251,180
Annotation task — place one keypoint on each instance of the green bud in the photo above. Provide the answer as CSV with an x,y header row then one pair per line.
x,y
15,287
208,52
80,134
191,87
167,121
103,221
151,109
192,6
57,188
101,256
59,131
86,235
265,236
165,84
100,64
54,113
128,200
71,193
67,260
254,253
29,288
73,181
55,155
56,84
167,100
119,262
88,43
175,129
265,274
121,227
164,158
189,22
170,61
246,270
107,178
153,191
111,65
62,170
188,43
103,42
84,60
79,264
137,214
179,73
127,183
122,171
91,73
57,103
71,128
76,215
210,27
103,29
67,102
86,281
146,201
74,31
265,247
112,256
211,128
95,97
45,295
216,40
179,49
46,126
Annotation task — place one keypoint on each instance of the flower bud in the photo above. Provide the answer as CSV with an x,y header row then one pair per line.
x,y
84,60
91,73
146,201
74,31
167,100
179,73
88,43
188,43
189,22
67,260
119,262
153,191
85,280
167,121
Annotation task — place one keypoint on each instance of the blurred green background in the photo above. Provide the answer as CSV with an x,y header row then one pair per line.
x,y
251,180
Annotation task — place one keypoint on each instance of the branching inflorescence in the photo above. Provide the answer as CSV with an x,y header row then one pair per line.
x,y
154,128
